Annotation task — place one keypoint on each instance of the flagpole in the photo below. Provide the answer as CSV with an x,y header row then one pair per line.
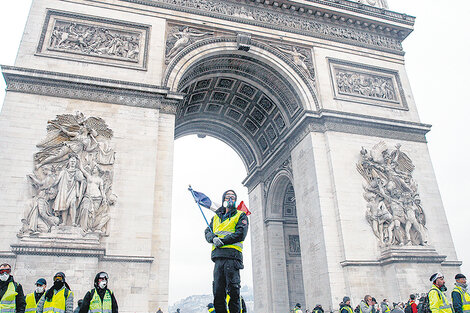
x,y
192,192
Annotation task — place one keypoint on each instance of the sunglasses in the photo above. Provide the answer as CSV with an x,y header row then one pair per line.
x,y
5,270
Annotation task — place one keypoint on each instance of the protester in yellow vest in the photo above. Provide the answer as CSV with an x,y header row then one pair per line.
x,y
210,307
438,302
345,306
33,298
297,308
58,298
100,299
227,230
460,296
11,293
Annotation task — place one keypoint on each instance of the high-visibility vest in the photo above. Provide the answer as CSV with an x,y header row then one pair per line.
x,y
227,299
8,301
347,308
31,304
96,306
297,310
387,308
57,303
438,302
465,299
211,309
222,229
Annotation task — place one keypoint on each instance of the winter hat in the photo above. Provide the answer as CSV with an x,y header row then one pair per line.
x,y
41,281
346,299
458,276
435,276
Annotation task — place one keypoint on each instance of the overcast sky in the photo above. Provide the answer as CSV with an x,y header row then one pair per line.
x,y
437,63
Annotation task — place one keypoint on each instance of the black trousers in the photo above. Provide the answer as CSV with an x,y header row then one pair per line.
x,y
226,281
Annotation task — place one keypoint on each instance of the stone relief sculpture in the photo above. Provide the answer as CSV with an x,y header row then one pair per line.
x,y
365,84
179,37
375,3
301,58
72,178
95,40
393,204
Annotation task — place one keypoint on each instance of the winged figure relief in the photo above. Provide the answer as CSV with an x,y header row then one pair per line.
x,y
394,208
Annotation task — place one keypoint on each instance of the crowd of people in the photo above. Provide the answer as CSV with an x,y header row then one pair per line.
x,y
56,299
435,301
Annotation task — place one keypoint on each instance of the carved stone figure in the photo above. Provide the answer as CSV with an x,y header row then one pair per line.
x,y
72,180
393,204
89,39
364,84
300,60
376,3
179,38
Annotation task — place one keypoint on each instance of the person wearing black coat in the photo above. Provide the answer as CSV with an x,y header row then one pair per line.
x,y
101,287
227,230
5,279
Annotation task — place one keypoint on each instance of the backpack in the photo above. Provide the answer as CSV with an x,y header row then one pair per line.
x,y
408,308
425,308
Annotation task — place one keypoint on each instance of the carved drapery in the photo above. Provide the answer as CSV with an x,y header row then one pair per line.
x,y
394,208
72,178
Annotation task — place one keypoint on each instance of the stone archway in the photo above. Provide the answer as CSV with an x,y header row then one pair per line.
x,y
284,240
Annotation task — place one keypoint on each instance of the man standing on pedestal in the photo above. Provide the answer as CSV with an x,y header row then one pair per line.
x,y
227,230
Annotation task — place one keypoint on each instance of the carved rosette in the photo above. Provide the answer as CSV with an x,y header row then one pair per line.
x,y
394,208
72,178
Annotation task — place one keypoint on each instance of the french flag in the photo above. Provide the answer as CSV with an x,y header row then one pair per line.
x,y
206,202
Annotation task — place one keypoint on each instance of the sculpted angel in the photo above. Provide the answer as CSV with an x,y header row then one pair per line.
x,y
70,134
183,39
299,60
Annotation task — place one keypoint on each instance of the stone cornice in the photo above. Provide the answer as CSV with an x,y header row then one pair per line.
x,y
340,21
90,88
329,120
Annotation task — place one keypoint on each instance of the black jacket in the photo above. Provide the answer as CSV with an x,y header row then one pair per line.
x,y
20,301
241,229
89,295
343,308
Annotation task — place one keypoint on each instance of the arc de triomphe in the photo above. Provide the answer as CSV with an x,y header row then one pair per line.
x,y
314,97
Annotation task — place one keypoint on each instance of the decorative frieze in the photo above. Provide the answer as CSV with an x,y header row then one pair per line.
x,y
366,84
275,19
93,39
179,37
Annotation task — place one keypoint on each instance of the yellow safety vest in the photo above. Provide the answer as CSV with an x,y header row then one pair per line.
x,y
465,299
347,308
57,303
96,306
222,229
388,309
8,302
211,310
360,309
31,304
438,302
297,310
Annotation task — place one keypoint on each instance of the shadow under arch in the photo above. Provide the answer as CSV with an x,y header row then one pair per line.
x,y
249,100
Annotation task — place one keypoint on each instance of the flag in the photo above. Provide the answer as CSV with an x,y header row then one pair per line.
x,y
202,199
242,207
